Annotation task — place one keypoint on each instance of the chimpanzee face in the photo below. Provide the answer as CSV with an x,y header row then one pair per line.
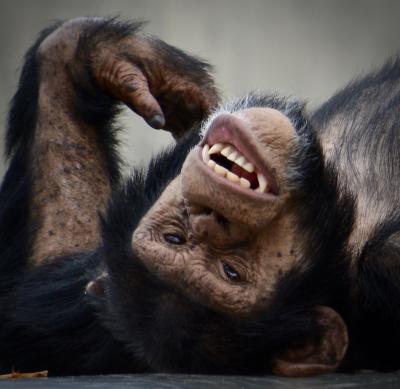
x,y
225,229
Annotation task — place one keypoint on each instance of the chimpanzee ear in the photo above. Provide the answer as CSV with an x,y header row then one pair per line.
x,y
322,355
96,287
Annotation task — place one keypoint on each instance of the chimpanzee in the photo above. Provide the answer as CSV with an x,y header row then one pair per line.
x,y
266,240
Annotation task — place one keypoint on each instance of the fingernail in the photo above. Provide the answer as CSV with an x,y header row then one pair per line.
x,y
157,121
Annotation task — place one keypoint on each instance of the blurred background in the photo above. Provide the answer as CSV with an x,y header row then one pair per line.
x,y
304,48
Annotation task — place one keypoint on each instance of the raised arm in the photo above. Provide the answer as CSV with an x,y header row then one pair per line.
x,y
60,135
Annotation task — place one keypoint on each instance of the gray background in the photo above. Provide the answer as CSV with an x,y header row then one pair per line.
x,y
306,48
365,380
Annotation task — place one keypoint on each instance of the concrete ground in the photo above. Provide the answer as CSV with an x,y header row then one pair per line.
x,y
164,381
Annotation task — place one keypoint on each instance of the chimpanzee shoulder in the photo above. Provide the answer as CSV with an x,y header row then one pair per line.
x,y
381,81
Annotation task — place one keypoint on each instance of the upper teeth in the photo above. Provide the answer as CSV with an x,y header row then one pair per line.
x,y
233,155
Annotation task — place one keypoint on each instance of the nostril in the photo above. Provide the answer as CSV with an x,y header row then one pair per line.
x,y
215,229
223,221
208,225
197,209
201,225
207,211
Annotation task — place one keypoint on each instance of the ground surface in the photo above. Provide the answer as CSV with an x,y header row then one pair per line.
x,y
365,380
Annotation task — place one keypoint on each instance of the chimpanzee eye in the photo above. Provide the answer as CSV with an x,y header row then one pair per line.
x,y
174,239
231,273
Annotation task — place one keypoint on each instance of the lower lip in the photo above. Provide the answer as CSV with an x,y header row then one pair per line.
x,y
228,129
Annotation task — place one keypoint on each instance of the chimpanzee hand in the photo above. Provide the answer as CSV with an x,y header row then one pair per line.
x,y
76,74
167,87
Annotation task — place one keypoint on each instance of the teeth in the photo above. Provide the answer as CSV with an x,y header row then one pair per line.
x,y
226,151
230,153
220,170
216,148
233,155
204,154
232,177
240,161
244,183
211,164
249,167
262,182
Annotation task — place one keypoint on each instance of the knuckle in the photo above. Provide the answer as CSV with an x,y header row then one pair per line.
x,y
61,43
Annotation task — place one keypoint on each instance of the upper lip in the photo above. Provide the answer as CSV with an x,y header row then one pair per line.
x,y
226,128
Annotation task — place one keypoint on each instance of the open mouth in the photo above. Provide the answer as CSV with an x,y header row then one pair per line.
x,y
225,160
229,151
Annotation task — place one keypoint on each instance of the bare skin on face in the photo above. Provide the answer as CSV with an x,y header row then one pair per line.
x,y
224,244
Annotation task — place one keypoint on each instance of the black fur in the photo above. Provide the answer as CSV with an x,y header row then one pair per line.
x,y
143,324
47,323
365,117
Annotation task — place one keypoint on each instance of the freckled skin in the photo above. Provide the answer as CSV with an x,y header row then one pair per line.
x,y
66,197
71,181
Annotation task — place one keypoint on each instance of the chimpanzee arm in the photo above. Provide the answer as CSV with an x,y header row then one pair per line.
x,y
62,139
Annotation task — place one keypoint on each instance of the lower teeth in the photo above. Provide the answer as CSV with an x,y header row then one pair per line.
x,y
232,177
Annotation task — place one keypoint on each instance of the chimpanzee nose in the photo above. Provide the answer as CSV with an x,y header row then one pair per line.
x,y
208,226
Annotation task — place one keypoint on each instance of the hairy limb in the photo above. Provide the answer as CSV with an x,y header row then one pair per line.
x,y
84,68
